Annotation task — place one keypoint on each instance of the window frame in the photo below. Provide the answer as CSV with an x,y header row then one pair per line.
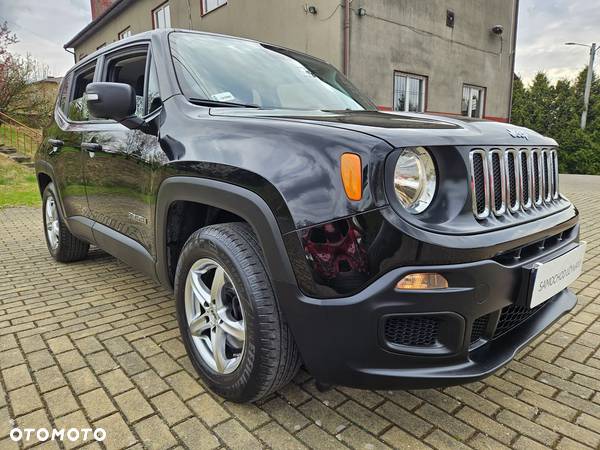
x,y
149,65
64,88
204,11
97,62
133,49
125,30
482,92
155,10
424,93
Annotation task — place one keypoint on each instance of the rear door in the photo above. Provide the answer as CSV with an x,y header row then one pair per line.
x,y
120,163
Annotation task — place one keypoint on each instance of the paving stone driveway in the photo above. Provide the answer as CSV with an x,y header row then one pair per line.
x,y
96,344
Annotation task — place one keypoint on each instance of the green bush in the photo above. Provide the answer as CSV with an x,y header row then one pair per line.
x,y
555,111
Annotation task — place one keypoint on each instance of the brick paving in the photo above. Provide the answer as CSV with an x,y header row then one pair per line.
x,y
96,343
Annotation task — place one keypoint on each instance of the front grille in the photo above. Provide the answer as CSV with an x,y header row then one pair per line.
x,y
479,327
510,317
512,180
524,178
513,316
537,248
417,331
479,183
506,180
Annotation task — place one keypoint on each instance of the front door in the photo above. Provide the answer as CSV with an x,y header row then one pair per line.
x,y
120,163
64,137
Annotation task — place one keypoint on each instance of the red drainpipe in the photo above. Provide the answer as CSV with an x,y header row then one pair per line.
x,y
346,36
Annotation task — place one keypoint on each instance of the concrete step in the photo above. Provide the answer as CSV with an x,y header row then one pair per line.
x,y
7,150
20,158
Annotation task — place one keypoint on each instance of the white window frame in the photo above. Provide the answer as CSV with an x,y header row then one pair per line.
x,y
482,92
408,76
125,33
165,10
205,8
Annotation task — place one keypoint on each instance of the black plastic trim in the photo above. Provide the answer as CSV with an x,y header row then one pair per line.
x,y
124,248
237,200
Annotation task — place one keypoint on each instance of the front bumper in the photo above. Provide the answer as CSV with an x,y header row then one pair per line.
x,y
478,326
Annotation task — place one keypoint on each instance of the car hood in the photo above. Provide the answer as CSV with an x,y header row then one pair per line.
x,y
404,129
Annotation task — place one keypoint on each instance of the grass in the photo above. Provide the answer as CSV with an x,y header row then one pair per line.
x,y
18,185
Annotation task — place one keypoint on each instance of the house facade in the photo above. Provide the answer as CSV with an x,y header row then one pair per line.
x,y
452,57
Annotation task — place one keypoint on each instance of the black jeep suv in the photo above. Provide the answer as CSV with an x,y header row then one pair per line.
x,y
298,224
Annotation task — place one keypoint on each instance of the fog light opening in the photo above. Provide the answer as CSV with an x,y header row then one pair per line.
x,y
423,280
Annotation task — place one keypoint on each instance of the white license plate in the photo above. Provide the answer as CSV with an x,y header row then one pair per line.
x,y
551,277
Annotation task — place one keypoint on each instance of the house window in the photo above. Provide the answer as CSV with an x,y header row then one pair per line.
x,y
409,92
161,16
125,33
473,99
210,5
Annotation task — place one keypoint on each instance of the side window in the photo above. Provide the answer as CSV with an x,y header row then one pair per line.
x,y
153,101
130,69
62,100
77,109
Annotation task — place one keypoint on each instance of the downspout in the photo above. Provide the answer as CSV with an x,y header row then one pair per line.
x,y
346,62
514,57
72,53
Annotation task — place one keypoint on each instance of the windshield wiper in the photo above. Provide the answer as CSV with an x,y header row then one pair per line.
x,y
217,103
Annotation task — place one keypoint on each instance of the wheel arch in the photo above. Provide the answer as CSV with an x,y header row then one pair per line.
x,y
237,201
44,176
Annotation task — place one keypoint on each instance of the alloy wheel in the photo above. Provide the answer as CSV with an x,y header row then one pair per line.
x,y
52,225
214,315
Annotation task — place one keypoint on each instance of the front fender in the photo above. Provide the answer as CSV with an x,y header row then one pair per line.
x,y
235,199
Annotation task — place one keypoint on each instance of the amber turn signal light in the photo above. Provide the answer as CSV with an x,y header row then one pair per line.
x,y
426,280
351,168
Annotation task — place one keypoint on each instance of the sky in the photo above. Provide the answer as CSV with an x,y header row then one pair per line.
x,y
545,26
43,26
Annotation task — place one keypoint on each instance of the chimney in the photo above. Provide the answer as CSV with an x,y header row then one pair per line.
x,y
99,6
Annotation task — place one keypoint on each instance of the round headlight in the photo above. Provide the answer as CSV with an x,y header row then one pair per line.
x,y
415,179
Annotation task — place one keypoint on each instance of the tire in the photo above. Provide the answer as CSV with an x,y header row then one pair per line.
x,y
269,358
62,245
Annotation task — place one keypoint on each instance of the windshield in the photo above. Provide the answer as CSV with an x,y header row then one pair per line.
x,y
233,71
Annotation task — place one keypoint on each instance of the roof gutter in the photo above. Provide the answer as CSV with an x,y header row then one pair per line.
x,y
116,8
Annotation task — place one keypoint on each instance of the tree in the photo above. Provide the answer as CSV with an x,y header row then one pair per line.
x,y
554,110
7,38
17,94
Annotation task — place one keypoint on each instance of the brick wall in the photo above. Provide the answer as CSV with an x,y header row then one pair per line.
x,y
99,6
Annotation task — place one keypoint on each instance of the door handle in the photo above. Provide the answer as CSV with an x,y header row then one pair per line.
x,y
56,142
91,147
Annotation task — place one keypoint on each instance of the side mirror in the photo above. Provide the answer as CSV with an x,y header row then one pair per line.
x,y
114,101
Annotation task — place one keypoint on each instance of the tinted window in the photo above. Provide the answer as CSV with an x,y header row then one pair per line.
x,y
131,70
238,71
77,107
62,99
153,101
